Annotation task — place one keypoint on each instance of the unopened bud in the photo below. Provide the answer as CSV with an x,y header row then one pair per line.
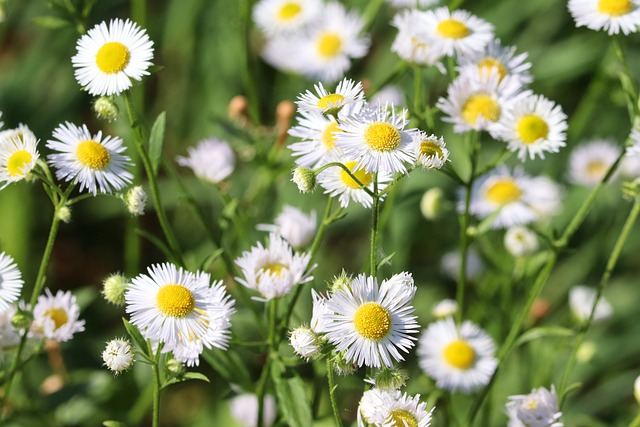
x,y
106,109
636,389
390,379
305,343
237,109
343,280
284,112
431,204
445,308
118,355
114,288
175,368
22,319
64,214
539,309
305,179
586,351
136,200
341,366
520,241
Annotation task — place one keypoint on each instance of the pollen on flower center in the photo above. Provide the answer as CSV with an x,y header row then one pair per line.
x,y
93,155
362,175
453,29
480,105
597,168
274,268
429,148
112,57
459,354
489,63
175,300
382,136
531,128
372,321
329,137
329,45
615,7
58,315
402,418
17,161
289,11
504,191
330,101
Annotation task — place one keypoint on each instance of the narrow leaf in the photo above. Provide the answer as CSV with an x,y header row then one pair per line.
x,y
51,22
292,396
543,332
136,336
156,140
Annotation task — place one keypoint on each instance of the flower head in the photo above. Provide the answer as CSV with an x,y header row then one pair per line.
x,y
338,183
536,409
581,299
430,151
284,16
348,93
392,408
520,241
613,16
118,355
18,154
56,317
305,342
211,160
589,162
136,200
456,31
294,226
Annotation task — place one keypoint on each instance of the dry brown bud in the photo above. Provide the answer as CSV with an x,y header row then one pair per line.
x,y
237,109
284,113
539,309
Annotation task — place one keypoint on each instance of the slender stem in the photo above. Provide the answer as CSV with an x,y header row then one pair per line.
x,y
417,95
397,71
332,394
636,421
626,80
349,172
375,211
273,346
156,386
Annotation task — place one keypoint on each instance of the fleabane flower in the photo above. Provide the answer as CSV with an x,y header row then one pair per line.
x,y
109,57
94,162
459,358
589,162
10,282
338,183
497,58
520,241
212,160
118,355
284,16
430,151
581,299
413,42
295,226
457,31
347,93
613,16
536,409
18,154
318,134
56,317
274,270
392,408
372,322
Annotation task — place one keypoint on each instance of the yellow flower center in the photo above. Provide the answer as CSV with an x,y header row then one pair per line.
x,y
175,300
597,168
504,191
453,29
92,154
459,354
402,418
372,321
532,404
289,11
274,268
615,7
17,161
364,177
58,315
531,128
429,148
382,136
329,45
328,135
330,101
489,63
112,57
480,105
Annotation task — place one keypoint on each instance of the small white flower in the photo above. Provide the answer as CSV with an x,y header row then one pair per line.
x,y
305,342
136,200
211,160
10,282
294,226
338,183
348,93
590,161
56,317
536,409
284,16
457,31
636,389
445,308
412,3
520,241
388,95
18,154
613,16
320,312
318,134
392,408
429,150
581,299
413,42
497,58
244,408
118,355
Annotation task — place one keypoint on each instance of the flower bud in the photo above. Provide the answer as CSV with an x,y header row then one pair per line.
x,y
64,214
175,368
431,204
390,379
520,241
305,343
106,109
341,366
305,179
445,308
22,319
136,200
114,287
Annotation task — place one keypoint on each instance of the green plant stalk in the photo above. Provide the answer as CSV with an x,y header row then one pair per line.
x,y
626,80
375,212
273,349
348,172
332,394
417,94
604,281
156,386
636,421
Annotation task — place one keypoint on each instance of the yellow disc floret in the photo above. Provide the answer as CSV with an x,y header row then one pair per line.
x,y
329,137
504,191
430,148
488,64
362,175
531,128
597,168
93,155
480,105
459,354
289,11
17,161
402,418
382,136
452,29
615,7
175,300
112,57
274,268
372,321
330,101
58,315
329,45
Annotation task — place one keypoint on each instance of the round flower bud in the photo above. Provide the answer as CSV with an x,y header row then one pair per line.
x,y
390,379
636,389
175,368
136,199
341,281
586,351
305,343
114,287
64,214
118,355
106,109
520,241
305,179
22,319
341,366
431,204
445,308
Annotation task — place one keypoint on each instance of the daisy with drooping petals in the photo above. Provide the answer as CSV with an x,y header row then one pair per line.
x,y
95,163
18,154
211,160
109,57
318,134
10,282
338,183
536,409
500,59
458,358
56,317
347,93
284,16
532,126
392,408
371,322
457,31
430,151
589,162
613,16
413,43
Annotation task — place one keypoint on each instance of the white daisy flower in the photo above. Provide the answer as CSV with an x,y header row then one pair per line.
x,y
520,241
378,140
458,358
331,42
212,160
281,52
95,163
348,93
294,226
457,32
413,3
581,299
613,16
174,306
513,198
18,154
284,16
370,322
500,59
477,101
10,281
536,409
118,355
318,134
392,408
9,336
109,57
319,313
430,151
305,342
444,308
244,408
338,183
413,43
56,317
589,162
274,270
532,126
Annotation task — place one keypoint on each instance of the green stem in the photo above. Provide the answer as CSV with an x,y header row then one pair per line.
x,y
417,95
375,211
626,80
397,71
156,386
332,394
636,421
347,171
273,348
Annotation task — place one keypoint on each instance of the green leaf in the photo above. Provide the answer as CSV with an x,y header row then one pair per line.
x,y
136,336
113,423
185,377
210,259
51,22
543,332
156,140
229,366
292,396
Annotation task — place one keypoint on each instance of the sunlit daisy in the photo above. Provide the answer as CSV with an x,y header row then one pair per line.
x,y
532,126
18,154
56,317
458,358
109,57
413,42
581,299
514,198
211,160
274,270
392,409
295,226
318,145
590,161
457,32
347,93
96,163
371,322
536,409
613,16
284,16
500,59
338,183
10,282
430,151
118,355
